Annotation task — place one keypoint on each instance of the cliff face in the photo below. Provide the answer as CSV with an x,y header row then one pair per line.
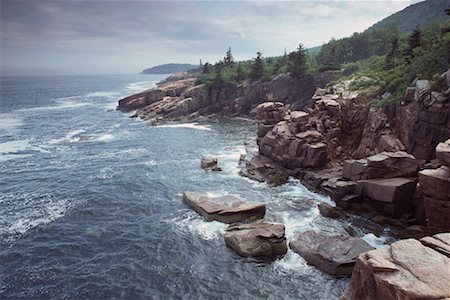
x,y
181,98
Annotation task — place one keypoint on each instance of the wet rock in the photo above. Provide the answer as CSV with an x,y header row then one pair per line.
x,y
382,165
277,179
209,163
408,269
329,211
258,239
225,209
334,255
443,152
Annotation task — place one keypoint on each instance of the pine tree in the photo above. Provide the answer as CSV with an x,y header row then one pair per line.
x,y
240,75
228,59
258,70
205,69
297,62
414,42
391,57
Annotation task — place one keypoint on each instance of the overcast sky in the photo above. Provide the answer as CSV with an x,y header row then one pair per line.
x,y
100,37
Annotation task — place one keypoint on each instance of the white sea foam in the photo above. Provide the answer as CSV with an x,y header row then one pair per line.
x,y
375,241
103,94
297,190
71,137
27,210
185,125
58,105
10,122
141,86
150,163
293,262
16,147
106,137
191,222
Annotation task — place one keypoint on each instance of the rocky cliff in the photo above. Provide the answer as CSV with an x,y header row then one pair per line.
x,y
365,157
180,97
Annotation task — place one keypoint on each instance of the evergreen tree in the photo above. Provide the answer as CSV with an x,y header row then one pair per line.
x,y
258,70
228,59
391,57
240,75
414,42
205,69
297,62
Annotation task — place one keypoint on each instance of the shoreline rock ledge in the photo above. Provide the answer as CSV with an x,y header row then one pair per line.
x,y
408,269
225,209
257,239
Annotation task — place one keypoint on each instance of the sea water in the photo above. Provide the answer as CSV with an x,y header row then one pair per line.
x,y
91,201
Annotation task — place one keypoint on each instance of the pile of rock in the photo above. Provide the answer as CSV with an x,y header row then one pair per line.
x,y
435,186
408,269
292,142
248,234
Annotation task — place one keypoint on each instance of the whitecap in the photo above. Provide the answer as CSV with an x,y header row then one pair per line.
x,y
9,122
150,163
185,125
18,146
104,137
26,210
141,86
71,136
102,94
61,105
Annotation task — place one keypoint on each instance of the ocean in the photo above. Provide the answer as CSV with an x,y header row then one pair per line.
x,y
91,201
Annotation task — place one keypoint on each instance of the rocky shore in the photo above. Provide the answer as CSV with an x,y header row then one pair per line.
x,y
388,164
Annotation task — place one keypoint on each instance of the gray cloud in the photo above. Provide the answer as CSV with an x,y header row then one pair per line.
x,y
126,36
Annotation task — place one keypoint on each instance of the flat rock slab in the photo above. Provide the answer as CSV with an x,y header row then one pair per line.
x,y
335,255
226,209
408,269
435,183
258,239
381,165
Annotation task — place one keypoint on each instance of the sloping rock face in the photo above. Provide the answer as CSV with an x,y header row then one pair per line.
x,y
408,269
423,120
167,89
334,255
377,136
257,239
226,209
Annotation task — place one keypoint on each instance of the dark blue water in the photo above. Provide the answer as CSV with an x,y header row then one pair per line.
x,y
91,206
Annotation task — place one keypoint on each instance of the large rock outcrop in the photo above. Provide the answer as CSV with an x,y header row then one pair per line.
x,y
225,209
435,186
408,269
423,119
334,255
257,239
